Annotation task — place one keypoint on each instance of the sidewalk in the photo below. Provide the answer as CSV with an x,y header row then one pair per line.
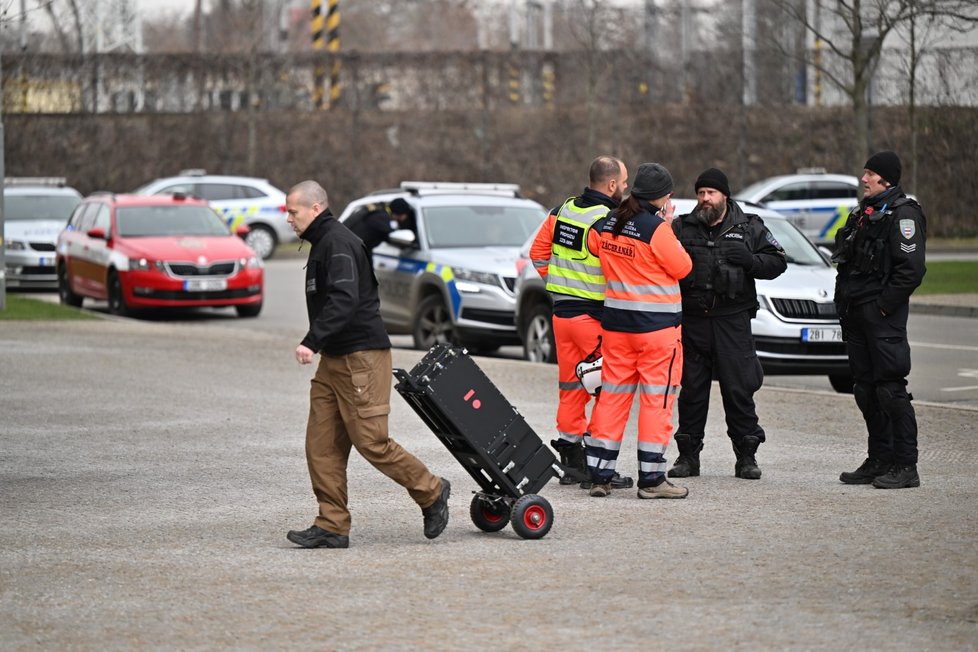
x,y
951,305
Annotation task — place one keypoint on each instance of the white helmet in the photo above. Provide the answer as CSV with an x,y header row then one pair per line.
x,y
589,373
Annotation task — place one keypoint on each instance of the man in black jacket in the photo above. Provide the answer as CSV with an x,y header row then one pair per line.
x,y
880,256
350,395
729,250
373,223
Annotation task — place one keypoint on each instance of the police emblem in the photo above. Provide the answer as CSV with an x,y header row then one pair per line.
x,y
908,228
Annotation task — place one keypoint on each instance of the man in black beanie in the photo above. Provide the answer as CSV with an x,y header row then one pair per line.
x,y
374,223
880,258
729,249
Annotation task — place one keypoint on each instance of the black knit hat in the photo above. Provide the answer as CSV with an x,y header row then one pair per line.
x,y
652,181
399,206
887,165
713,178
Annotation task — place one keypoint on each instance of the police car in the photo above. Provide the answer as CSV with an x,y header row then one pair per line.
x,y
817,203
238,200
796,328
451,279
35,209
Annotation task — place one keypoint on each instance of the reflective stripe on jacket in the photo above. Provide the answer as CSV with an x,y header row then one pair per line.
x,y
642,265
573,269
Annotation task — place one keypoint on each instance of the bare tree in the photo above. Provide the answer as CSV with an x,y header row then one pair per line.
x,y
854,31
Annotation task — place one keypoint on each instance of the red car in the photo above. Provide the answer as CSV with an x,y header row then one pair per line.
x,y
168,251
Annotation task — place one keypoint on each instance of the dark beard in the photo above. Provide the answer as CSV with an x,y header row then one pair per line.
x,y
705,214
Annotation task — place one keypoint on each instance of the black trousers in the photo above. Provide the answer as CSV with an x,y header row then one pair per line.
x,y
721,347
879,357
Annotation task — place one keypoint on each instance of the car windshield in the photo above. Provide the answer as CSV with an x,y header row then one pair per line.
x,y
797,247
479,226
39,207
752,189
143,221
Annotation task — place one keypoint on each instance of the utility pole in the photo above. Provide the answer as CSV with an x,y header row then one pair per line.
x,y
3,175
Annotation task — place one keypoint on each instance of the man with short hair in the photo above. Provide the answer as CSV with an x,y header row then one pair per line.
x,y
350,396
561,256
730,249
880,257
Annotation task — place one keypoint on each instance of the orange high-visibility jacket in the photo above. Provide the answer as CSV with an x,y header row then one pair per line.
x,y
642,266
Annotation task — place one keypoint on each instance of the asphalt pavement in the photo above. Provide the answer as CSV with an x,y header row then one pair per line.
x,y
149,472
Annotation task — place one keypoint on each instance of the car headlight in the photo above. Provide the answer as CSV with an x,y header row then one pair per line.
x,y
145,265
252,262
486,278
763,302
16,245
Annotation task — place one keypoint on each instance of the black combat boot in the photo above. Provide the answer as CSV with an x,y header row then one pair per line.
x,y
866,473
900,476
746,466
573,456
688,462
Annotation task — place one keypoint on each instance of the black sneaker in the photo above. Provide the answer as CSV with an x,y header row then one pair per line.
x,y
317,537
900,476
617,482
436,514
866,473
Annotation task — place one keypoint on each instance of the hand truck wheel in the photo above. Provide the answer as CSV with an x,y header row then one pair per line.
x,y
532,516
489,515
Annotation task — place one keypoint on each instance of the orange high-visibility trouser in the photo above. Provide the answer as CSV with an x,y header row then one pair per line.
x,y
650,364
576,337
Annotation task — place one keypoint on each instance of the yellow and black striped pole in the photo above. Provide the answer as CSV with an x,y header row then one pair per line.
x,y
319,69
333,45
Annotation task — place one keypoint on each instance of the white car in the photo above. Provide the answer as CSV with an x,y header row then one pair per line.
x,y
796,328
239,200
452,279
35,210
816,202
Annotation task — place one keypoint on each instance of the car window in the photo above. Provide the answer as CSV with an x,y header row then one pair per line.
x,y
39,207
102,219
142,221
797,247
184,188
833,190
479,226
225,191
84,218
790,192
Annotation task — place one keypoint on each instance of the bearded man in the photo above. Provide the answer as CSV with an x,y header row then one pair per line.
x,y
729,249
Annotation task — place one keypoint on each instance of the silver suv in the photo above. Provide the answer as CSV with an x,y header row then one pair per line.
x,y
452,279
239,200
796,328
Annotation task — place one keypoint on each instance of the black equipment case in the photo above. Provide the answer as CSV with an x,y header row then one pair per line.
x,y
488,437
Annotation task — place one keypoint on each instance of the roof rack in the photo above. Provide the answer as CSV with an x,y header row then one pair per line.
x,y
445,187
59,182
810,171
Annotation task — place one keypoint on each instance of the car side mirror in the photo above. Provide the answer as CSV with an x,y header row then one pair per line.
x,y
403,239
826,253
98,232
242,230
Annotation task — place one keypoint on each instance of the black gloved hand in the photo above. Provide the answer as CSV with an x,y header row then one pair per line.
x,y
738,254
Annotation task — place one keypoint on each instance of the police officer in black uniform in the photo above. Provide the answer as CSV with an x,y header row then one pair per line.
x,y
729,249
880,257
373,223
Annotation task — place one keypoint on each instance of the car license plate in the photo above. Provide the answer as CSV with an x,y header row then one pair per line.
x,y
205,284
42,261
821,335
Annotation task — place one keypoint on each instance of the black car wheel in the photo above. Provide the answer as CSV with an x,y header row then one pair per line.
x,y
65,295
117,300
538,336
432,323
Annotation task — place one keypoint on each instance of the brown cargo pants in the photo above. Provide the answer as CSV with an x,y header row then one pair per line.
x,y
348,406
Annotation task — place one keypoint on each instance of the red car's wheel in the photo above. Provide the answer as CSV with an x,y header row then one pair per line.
x,y
532,517
489,515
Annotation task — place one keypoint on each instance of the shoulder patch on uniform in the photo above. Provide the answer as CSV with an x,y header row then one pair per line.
x,y
908,228
770,238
